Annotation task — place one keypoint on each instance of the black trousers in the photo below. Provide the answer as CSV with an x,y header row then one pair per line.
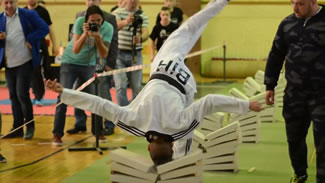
x,y
301,106
37,80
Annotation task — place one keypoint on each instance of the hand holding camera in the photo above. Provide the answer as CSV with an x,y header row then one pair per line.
x,y
137,19
91,28
129,19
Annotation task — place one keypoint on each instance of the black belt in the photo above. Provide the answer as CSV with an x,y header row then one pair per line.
x,y
169,80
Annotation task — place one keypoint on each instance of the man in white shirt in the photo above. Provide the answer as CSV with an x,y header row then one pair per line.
x,y
20,33
164,111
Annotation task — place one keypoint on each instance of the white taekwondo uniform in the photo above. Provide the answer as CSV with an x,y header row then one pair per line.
x,y
166,103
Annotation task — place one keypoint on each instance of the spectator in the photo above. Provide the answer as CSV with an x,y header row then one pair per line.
x,y
177,15
133,31
20,33
37,81
299,42
161,31
92,36
107,64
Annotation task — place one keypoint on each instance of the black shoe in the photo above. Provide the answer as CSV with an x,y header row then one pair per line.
x,y
76,130
108,131
299,179
29,133
2,159
17,134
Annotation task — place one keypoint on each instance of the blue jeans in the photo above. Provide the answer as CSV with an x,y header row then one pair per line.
x,y
69,73
104,86
103,91
124,59
18,81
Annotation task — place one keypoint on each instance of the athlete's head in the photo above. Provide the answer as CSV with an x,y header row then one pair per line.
x,y
160,148
304,8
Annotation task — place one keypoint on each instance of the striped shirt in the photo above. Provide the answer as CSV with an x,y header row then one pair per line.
x,y
125,34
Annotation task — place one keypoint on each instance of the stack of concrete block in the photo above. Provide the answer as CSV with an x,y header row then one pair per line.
x,y
185,169
279,89
211,122
259,77
251,87
249,126
238,94
220,148
129,167
268,112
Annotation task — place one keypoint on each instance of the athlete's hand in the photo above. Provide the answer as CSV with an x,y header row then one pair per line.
x,y
255,106
54,86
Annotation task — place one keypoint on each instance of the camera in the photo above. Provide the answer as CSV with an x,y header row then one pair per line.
x,y
93,27
137,18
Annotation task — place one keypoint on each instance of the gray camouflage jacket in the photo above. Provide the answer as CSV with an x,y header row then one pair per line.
x,y
301,44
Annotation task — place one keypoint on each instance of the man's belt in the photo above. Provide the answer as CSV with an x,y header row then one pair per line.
x,y
169,80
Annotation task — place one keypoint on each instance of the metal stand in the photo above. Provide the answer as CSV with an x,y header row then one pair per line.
x,y
224,62
96,148
224,59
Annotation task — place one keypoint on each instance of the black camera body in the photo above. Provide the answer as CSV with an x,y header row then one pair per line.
x,y
93,27
137,18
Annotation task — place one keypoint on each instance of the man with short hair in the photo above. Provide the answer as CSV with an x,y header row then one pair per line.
x,y
20,33
161,31
105,64
133,31
300,41
177,16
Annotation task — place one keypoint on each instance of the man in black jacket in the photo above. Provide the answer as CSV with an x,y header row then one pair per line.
x,y
300,40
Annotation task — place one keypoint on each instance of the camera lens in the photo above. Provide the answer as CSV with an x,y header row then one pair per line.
x,y
93,27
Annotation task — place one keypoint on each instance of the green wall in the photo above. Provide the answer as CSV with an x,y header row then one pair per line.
x,y
247,27
248,31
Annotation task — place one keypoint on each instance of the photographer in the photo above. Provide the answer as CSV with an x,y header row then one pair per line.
x,y
91,38
104,84
133,30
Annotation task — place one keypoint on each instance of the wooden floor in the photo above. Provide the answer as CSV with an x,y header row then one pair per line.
x,y
37,160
